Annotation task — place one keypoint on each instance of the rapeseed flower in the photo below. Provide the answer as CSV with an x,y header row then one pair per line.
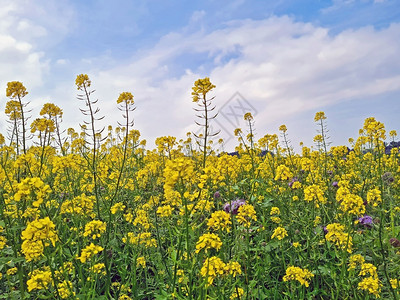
x,y
95,229
212,267
372,285
208,241
88,252
220,220
280,233
301,275
246,214
39,279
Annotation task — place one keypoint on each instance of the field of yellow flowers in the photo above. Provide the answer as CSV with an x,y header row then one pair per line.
x,y
94,215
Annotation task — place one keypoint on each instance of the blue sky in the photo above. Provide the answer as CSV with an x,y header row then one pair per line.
x,y
288,59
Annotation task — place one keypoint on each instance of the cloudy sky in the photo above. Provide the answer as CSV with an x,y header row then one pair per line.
x,y
282,60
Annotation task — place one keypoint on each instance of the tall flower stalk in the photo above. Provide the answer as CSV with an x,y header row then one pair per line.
x,y
15,109
200,91
83,84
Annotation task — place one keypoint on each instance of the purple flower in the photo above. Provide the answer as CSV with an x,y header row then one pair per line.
x,y
366,220
335,184
217,195
233,206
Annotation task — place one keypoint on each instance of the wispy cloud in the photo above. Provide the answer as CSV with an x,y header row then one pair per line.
x,y
282,66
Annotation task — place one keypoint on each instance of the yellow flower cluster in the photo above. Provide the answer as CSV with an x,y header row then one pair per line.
x,y
16,90
283,173
280,233
30,189
214,267
143,238
340,238
117,207
314,193
95,229
36,236
301,275
82,81
246,214
220,220
319,116
51,110
80,205
141,261
42,125
65,289
165,211
126,97
201,88
208,241
237,294
13,110
89,251
350,203
39,279
355,261
98,269
374,197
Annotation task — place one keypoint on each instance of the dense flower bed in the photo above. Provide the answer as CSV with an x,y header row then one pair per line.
x,y
94,215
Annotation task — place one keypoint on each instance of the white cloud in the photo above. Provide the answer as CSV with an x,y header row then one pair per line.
x,y
284,68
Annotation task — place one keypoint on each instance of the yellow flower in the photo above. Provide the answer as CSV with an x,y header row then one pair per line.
x,y
51,110
233,268
89,252
143,238
117,207
237,294
317,221
279,233
39,280
283,173
274,211
212,267
41,229
319,116
16,89
299,274
370,284
374,197
95,228
3,242
368,269
201,88
32,249
314,193
208,241
220,220
248,116
98,269
141,261
165,211
282,128
354,260
393,282
246,213
82,81
125,97
12,271
337,236
65,289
